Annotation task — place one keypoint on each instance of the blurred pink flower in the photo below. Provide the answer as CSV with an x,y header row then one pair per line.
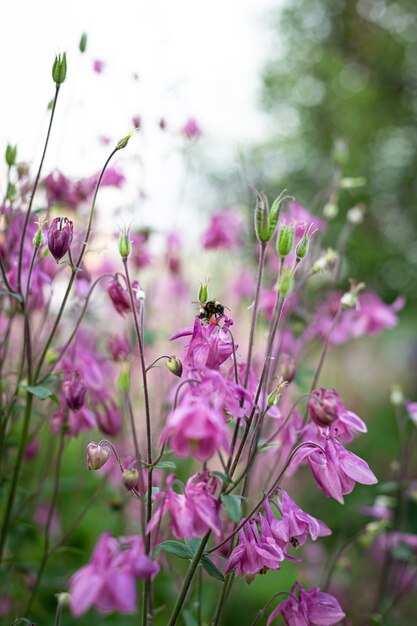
x,y
310,607
98,66
191,129
255,554
224,231
331,411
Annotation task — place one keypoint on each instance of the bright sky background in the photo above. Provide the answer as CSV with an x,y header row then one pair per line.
x,y
191,59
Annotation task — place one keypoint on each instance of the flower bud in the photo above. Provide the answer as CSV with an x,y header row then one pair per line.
x,y
203,293
97,455
350,299
74,389
124,245
302,247
63,598
328,261
396,396
60,235
325,410
285,239
122,143
11,153
287,367
275,395
285,284
130,478
123,382
59,69
119,296
355,215
38,238
174,365
83,43
330,210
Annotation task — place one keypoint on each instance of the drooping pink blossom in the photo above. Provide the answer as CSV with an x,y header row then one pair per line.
x,y
74,389
254,554
191,129
307,607
210,344
119,294
98,66
60,234
107,583
192,513
329,410
195,429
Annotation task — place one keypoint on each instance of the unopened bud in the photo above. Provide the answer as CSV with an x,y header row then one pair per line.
x,y
63,598
130,478
302,247
97,455
83,43
330,210
11,153
285,284
275,395
203,293
174,365
74,389
352,183
326,262
60,236
51,356
123,382
355,215
11,193
122,143
124,244
396,396
287,367
285,240
59,69
38,238
350,299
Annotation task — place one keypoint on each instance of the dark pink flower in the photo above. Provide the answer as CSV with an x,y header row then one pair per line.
x,y
60,234
74,389
224,231
330,411
196,429
119,347
336,469
191,129
255,554
192,513
107,583
310,607
108,416
119,294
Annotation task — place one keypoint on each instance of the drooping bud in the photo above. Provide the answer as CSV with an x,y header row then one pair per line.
x,y
130,478
59,69
285,239
350,299
174,365
74,389
325,410
83,43
60,235
120,296
203,293
11,153
124,244
285,284
97,455
287,367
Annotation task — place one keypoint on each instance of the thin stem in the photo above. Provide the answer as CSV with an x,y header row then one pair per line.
x,y
138,458
325,348
35,186
337,555
222,599
184,382
164,356
268,604
74,270
187,581
226,328
261,264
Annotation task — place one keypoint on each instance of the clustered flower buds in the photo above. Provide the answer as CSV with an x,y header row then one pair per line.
x,y
60,236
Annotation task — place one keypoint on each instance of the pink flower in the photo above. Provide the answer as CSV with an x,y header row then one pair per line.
x,y
119,294
98,66
310,607
60,236
336,469
74,423
195,429
119,347
411,408
108,416
74,389
255,554
298,215
224,231
192,513
330,411
191,129
107,583
140,255
210,344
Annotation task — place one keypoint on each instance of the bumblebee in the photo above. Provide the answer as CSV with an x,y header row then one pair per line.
x,y
211,310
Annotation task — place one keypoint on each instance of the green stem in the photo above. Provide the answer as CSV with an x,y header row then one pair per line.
x,y
35,186
187,581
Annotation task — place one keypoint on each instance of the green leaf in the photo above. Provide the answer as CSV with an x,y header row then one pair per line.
x,y
222,477
177,548
232,504
41,392
165,465
193,544
211,569
189,619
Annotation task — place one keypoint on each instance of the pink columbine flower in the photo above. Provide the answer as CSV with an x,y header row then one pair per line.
x,y
74,422
296,525
74,389
329,410
191,129
196,429
60,234
254,554
119,294
108,416
224,231
411,408
309,607
119,347
210,344
192,513
98,66
107,583
336,469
